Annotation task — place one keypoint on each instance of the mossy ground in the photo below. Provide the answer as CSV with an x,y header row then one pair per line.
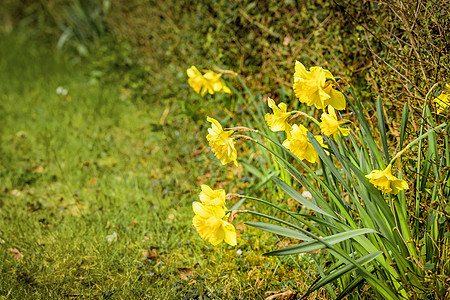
x,y
96,191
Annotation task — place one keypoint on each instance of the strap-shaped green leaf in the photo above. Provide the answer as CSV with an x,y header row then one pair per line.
x,y
405,117
359,280
299,198
365,128
382,128
279,230
341,271
317,244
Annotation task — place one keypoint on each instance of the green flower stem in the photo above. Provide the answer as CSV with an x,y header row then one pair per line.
x,y
415,141
304,165
307,116
277,155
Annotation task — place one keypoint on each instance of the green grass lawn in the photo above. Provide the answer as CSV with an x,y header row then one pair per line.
x,y
96,192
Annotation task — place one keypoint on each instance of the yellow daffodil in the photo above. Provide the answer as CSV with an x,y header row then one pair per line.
x,y
299,144
210,224
209,196
278,120
196,79
214,83
209,82
443,100
221,142
330,125
386,182
317,87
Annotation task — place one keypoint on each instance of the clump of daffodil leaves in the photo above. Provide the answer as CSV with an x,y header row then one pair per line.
x,y
358,206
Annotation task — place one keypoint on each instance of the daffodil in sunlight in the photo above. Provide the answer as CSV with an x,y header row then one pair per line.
x,y
317,87
208,196
214,83
299,144
386,182
210,224
209,82
196,79
278,120
221,142
330,125
443,100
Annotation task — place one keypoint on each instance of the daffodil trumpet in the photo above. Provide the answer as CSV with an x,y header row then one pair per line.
x,y
221,142
442,101
209,82
330,126
299,144
211,226
384,180
211,217
316,86
278,119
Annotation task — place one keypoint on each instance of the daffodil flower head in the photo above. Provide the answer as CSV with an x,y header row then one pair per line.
x,y
196,79
317,87
386,182
209,82
299,144
211,226
221,142
278,120
209,196
330,125
443,100
214,83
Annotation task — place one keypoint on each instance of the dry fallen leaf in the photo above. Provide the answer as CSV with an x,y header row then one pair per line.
x,y
185,273
281,296
151,254
93,181
15,253
38,169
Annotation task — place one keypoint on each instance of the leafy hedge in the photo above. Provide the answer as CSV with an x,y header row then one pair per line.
x,y
401,48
